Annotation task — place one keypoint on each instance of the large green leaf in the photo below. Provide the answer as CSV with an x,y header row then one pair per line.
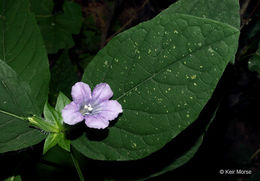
x,y
21,47
57,29
15,102
163,72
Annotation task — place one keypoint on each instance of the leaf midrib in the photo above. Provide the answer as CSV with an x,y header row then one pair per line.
x,y
169,65
12,114
165,67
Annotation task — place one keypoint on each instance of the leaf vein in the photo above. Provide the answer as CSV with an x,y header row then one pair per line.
x,y
165,67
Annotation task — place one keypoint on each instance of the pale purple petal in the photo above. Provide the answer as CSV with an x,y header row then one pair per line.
x,y
95,107
109,109
96,121
71,114
101,92
81,93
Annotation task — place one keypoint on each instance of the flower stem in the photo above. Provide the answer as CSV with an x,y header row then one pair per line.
x,y
76,164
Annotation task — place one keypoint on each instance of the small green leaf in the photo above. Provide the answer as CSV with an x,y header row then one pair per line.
x,y
51,140
64,143
54,116
62,101
54,139
163,72
50,114
57,29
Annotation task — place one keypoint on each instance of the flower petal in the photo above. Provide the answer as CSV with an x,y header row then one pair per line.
x,y
109,109
101,92
96,121
71,114
81,93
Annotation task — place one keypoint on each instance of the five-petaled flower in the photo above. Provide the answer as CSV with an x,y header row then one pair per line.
x,y
95,108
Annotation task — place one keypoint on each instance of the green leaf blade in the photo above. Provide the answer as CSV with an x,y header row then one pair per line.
x,y
24,75
64,142
62,101
50,141
22,48
15,102
51,115
54,119
57,29
162,72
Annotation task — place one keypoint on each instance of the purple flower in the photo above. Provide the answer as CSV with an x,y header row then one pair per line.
x,y
95,108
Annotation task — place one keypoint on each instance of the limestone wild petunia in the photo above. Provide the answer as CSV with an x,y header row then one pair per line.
x,y
95,108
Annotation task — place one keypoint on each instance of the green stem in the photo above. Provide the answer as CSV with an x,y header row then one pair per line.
x,y
13,115
76,164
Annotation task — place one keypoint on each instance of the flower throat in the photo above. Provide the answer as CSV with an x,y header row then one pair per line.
x,y
86,109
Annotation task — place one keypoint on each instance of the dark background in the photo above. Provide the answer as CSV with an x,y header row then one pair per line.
x,y
230,142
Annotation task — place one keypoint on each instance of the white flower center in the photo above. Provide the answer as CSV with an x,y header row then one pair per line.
x,y
87,109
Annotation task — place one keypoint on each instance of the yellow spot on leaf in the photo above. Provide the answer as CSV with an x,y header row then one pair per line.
x,y
193,77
